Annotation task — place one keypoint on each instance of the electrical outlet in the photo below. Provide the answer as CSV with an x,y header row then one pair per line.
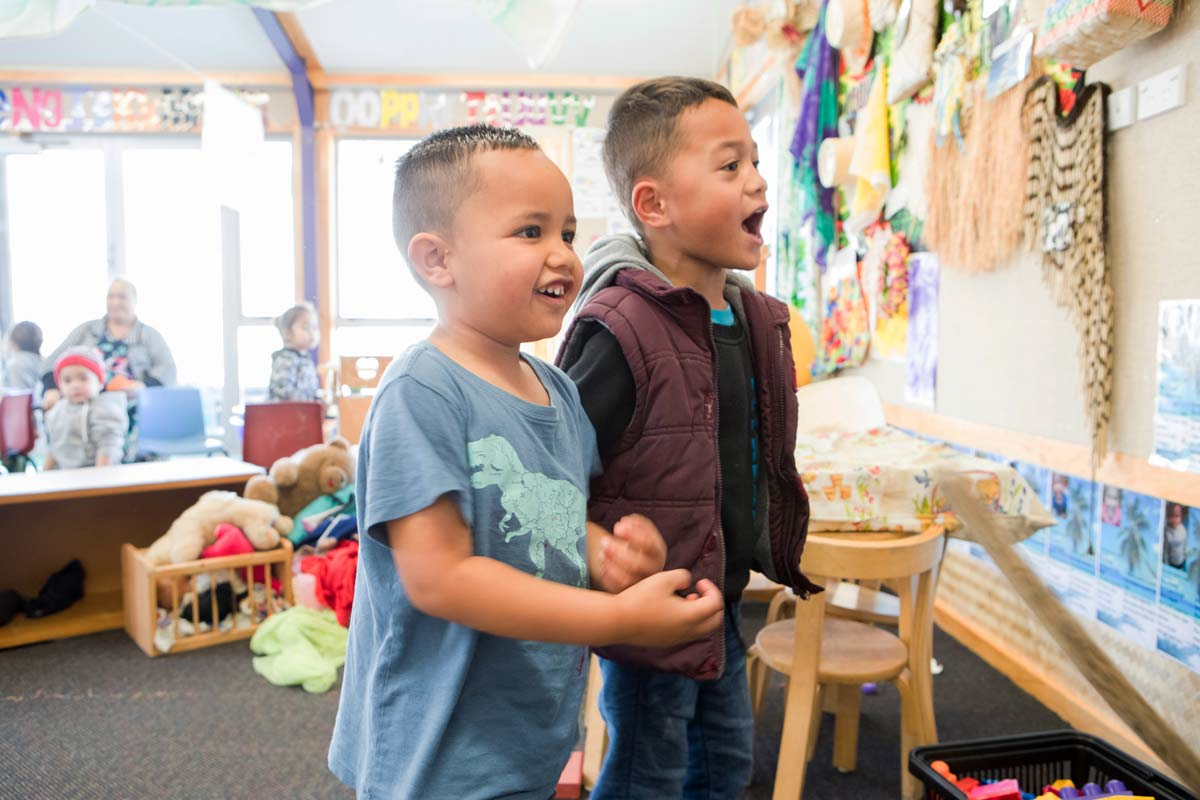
x,y
1163,92
1120,109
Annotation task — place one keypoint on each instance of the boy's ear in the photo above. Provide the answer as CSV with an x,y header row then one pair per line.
x,y
649,203
427,257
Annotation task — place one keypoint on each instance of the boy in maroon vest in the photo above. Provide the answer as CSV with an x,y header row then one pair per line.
x,y
686,373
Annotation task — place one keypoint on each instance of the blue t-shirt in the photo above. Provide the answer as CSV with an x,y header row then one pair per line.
x,y
430,709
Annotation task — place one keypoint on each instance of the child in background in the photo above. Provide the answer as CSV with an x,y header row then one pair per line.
x,y
473,603
1175,536
1058,491
86,427
23,360
293,373
1110,511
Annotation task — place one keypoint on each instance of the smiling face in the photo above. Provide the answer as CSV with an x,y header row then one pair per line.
x,y
712,190
509,253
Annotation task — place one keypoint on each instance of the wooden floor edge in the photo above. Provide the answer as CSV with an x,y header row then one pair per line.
x,y
1055,695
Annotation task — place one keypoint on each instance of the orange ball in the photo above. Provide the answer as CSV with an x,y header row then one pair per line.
x,y
941,767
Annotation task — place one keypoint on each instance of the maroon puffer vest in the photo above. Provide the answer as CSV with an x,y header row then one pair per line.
x,y
666,463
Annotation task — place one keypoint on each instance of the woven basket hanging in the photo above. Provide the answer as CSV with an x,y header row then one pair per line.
x,y
1064,220
1082,32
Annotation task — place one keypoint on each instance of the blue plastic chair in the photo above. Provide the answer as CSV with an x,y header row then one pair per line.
x,y
170,422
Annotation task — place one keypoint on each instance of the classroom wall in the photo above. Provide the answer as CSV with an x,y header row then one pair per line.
x,y
1007,352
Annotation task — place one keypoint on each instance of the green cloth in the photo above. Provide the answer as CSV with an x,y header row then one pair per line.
x,y
300,646
325,502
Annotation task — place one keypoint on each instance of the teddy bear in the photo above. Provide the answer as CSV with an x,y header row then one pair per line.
x,y
296,481
196,527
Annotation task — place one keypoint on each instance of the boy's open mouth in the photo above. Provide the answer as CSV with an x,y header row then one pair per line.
x,y
753,223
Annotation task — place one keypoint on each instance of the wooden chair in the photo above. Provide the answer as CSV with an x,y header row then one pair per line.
x,y
761,589
277,430
814,650
18,430
357,381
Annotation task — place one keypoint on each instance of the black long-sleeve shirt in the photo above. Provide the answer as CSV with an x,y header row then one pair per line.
x,y
608,394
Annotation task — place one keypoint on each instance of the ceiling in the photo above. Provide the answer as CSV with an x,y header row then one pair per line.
x,y
605,37
117,36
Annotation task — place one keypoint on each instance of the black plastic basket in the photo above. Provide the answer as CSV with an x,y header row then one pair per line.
x,y
1036,760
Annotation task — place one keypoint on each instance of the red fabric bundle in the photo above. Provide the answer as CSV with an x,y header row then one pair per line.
x,y
334,572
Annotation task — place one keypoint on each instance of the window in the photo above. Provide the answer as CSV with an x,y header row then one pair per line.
x,y
89,207
255,344
373,280
377,340
268,243
173,255
57,241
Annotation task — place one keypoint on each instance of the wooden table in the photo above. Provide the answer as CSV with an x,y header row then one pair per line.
x,y
49,518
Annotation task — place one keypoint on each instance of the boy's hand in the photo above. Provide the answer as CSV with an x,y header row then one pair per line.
x,y
654,615
636,550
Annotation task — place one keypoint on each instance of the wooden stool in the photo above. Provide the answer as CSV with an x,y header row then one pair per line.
x,y
851,653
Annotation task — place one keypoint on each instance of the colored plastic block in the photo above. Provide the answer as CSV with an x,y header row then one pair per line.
x,y
570,783
967,785
1001,790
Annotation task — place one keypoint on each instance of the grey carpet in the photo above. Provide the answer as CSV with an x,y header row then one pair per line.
x,y
93,717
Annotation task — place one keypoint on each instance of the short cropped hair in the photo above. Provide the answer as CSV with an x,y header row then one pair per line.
x,y
435,177
285,321
642,128
27,336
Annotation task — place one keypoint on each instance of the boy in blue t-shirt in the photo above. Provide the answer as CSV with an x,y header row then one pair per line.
x,y
466,661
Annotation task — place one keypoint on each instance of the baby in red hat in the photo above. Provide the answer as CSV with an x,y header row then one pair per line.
x,y
88,427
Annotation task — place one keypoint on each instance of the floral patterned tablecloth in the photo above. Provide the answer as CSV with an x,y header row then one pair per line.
x,y
881,480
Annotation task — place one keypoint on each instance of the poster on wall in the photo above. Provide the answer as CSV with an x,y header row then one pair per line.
x,y
407,110
922,342
231,143
1177,403
85,109
1072,543
1130,527
885,278
1036,548
845,335
1179,590
594,198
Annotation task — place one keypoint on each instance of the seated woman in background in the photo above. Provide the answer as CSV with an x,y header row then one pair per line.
x,y
87,426
293,373
23,359
135,355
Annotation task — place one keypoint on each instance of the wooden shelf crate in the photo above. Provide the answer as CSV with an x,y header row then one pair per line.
x,y
147,587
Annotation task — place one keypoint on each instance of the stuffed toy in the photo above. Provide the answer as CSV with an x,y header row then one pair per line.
x,y
195,529
296,481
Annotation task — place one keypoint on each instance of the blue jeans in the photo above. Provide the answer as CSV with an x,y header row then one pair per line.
x,y
673,737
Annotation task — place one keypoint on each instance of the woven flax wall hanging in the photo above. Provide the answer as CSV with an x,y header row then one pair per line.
x,y
1064,220
976,189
